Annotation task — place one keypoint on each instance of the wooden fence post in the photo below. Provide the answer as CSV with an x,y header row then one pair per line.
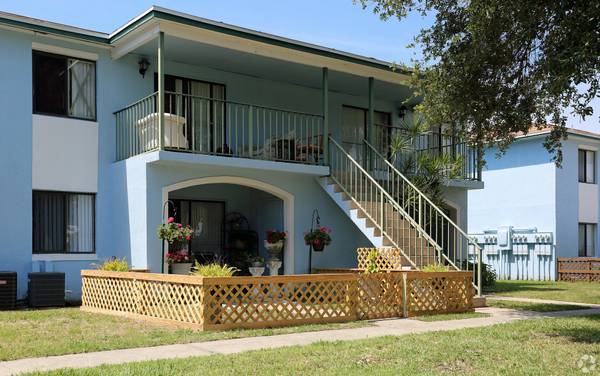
x,y
404,294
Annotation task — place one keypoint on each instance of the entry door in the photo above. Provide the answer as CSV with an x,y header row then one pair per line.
x,y
354,124
354,130
207,220
202,104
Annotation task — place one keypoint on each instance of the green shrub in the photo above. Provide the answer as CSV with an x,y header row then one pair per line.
x,y
488,274
372,262
213,270
114,265
433,268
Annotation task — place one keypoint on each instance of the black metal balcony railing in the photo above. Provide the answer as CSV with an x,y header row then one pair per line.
x,y
433,143
196,124
213,126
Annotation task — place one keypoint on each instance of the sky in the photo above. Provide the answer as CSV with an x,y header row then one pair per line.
x,y
338,24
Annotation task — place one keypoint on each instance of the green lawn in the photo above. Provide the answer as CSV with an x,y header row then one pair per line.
x,y
66,331
537,307
532,347
453,316
581,292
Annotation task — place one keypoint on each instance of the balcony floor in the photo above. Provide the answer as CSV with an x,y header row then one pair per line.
x,y
173,158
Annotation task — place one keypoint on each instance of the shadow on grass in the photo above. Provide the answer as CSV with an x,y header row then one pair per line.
x,y
516,286
582,333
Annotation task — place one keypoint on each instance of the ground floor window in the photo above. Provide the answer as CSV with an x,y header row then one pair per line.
x,y
63,222
587,239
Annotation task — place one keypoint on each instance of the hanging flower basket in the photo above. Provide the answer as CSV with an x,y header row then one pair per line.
x,y
318,238
174,232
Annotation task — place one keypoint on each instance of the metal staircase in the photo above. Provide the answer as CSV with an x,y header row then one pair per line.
x,y
398,212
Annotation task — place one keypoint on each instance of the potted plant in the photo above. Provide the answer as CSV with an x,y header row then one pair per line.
x,y
257,266
257,261
180,262
214,270
275,242
319,238
178,236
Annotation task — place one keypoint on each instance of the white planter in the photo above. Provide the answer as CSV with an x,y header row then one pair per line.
x,y
275,249
274,266
174,131
256,271
181,268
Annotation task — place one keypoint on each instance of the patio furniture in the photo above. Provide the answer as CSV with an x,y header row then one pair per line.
x,y
310,149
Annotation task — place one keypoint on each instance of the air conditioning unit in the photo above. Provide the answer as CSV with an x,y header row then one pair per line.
x,y
46,289
8,290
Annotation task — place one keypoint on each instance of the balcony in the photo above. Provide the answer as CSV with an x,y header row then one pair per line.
x,y
196,124
202,125
458,152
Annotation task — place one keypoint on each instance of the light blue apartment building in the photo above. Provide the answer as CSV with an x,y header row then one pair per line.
x,y
230,130
531,212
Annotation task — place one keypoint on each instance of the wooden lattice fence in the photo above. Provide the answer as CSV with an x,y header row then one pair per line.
x,y
257,302
430,292
387,258
586,269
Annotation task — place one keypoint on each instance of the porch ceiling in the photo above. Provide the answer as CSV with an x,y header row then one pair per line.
x,y
230,60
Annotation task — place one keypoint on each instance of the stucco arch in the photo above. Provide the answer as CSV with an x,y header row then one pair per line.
x,y
286,197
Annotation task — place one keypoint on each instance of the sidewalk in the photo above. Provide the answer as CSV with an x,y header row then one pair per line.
x,y
380,328
541,301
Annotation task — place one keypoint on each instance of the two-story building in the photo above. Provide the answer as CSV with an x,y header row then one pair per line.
x,y
230,130
541,211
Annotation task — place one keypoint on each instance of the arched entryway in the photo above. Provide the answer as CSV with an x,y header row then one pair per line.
x,y
286,198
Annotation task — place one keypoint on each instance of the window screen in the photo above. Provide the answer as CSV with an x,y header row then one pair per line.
x,y
64,86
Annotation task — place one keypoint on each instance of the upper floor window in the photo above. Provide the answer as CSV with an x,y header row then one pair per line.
x,y
63,222
587,166
64,86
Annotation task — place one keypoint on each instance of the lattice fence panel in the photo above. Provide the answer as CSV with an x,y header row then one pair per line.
x,y
439,292
380,295
171,301
112,294
579,269
163,297
268,301
387,258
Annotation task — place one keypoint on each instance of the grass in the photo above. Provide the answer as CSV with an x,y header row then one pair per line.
x,y
453,316
537,307
530,347
580,292
35,333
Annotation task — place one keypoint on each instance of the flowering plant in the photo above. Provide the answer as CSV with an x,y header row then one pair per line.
x,y
180,257
318,238
274,236
174,232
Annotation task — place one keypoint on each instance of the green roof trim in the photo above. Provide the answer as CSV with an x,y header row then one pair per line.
x,y
264,38
53,30
167,15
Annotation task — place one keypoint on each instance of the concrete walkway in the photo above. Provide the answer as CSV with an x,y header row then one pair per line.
x,y
380,328
541,301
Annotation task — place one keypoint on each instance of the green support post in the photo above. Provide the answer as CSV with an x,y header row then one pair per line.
x,y
161,91
325,89
251,129
371,113
371,124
